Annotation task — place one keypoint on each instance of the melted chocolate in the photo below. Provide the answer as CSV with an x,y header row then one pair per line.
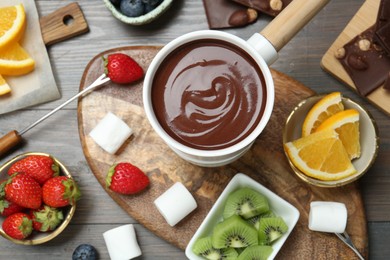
x,y
208,94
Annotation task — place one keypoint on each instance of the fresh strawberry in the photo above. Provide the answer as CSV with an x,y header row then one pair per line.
x,y
126,178
18,226
8,208
46,218
122,69
60,191
24,191
40,167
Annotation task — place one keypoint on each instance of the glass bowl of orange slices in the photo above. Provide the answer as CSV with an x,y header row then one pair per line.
x,y
330,140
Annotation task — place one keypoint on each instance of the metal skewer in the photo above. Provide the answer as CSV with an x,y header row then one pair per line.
x,y
347,240
14,137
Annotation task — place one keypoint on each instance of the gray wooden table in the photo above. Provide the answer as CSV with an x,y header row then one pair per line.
x,y
58,135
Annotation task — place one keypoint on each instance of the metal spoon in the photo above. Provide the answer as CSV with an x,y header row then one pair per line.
x,y
12,138
347,240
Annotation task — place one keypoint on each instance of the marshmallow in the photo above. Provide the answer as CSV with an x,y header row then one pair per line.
x,y
328,216
110,133
122,243
175,203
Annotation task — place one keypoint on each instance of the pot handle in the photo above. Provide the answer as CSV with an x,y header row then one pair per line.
x,y
290,21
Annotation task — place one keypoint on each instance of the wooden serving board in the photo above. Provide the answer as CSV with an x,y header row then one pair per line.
x,y
264,162
364,18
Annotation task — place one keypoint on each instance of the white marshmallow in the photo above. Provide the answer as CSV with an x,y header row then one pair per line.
x,y
122,243
326,216
110,133
175,203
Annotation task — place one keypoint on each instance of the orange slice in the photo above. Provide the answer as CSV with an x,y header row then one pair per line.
x,y
12,25
4,88
321,155
15,61
322,110
346,124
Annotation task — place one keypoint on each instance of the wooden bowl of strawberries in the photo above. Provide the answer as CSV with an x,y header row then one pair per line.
x,y
37,198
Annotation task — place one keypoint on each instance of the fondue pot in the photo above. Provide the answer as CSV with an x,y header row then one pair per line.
x,y
262,47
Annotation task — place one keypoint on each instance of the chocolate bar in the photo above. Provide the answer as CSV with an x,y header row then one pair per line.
x,y
382,27
387,82
270,7
365,62
226,14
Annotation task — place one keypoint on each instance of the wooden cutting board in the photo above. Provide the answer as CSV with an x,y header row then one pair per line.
x,y
364,18
264,162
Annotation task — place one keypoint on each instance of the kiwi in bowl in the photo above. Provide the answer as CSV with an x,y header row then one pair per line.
x,y
247,219
37,237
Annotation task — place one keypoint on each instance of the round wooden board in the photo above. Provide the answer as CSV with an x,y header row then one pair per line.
x,y
264,162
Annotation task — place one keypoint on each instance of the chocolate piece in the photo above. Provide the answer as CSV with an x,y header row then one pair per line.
x,y
387,82
218,13
270,7
382,26
365,62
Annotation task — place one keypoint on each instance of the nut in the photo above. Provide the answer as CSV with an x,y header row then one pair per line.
x,y
340,53
243,17
364,44
357,62
276,5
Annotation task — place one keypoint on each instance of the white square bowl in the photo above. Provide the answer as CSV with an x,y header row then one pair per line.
x,y
279,206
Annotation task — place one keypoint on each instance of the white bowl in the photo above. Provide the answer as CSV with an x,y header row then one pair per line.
x,y
140,20
279,206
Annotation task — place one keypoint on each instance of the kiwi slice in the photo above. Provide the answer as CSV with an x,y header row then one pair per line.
x,y
234,232
270,229
255,221
203,247
256,253
245,202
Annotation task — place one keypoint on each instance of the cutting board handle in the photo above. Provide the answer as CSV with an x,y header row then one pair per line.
x,y
63,24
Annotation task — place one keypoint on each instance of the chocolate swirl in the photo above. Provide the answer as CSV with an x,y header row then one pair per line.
x,y
209,95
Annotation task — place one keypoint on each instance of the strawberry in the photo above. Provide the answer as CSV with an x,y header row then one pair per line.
x,y
125,178
46,218
8,208
24,191
18,225
122,69
40,167
60,191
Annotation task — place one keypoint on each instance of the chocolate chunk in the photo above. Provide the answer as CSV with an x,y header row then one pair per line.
x,y
218,13
387,82
366,63
270,7
382,26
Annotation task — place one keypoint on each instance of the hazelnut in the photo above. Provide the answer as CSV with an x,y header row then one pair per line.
x,y
276,5
243,17
364,44
340,53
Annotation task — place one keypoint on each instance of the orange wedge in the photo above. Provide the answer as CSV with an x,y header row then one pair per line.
x,y
12,25
15,61
322,110
346,124
321,155
4,88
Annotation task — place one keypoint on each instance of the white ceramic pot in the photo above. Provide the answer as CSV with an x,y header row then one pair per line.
x,y
262,47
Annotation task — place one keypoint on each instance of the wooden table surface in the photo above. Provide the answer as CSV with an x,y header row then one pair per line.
x,y
58,135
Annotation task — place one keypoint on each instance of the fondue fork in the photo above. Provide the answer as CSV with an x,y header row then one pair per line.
x,y
13,138
347,240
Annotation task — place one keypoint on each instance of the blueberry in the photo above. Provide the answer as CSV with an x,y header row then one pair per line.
x,y
151,4
115,2
132,8
84,252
